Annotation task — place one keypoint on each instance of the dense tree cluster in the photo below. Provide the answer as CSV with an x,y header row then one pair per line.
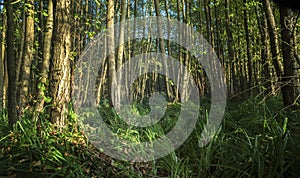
x,y
256,42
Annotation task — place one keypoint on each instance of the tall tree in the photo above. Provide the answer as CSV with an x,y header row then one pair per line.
x,y
180,37
111,49
2,60
262,25
231,54
186,39
249,56
120,50
289,88
273,38
209,26
11,63
27,56
60,73
162,49
44,67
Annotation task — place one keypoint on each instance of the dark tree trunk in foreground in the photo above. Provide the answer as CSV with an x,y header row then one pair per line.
x,y
289,88
11,63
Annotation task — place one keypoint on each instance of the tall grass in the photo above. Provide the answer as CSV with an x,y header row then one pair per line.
x,y
256,139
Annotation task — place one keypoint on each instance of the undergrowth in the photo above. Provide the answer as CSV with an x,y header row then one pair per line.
x,y
256,139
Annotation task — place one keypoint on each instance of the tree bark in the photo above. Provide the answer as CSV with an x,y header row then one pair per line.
x,y
11,63
288,89
248,43
42,85
27,57
60,74
120,51
162,49
262,25
2,62
111,49
180,51
273,38
231,56
19,48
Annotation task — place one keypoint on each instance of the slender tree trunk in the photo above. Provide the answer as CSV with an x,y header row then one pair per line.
x,y
41,26
42,85
38,59
262,25
180,55
111,49
11,63
218,31
288,89
2,62
241,68
171,66
249,56
208,20
187,65
60,73
135,9
20,53
128,52
273,38
120,51
27,57
201,74
231,55
162,49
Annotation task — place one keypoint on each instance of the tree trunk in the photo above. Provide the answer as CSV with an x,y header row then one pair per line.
x,y
249,56
187,64
120,52
262,25
208,20
11,63
111,49
288,89
20,53
273,38
2,62
27,57
180,51
162,50
46,59
60,74
41,26
231,56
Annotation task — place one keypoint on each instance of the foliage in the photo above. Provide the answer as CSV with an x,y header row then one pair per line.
x,y
38,149
256,139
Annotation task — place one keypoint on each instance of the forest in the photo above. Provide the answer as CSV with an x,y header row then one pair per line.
x,y
170,88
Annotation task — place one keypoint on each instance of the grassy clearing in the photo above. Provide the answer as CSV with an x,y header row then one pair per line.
x,y
256,139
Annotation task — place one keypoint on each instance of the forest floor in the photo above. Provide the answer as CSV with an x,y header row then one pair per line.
x,y
256,139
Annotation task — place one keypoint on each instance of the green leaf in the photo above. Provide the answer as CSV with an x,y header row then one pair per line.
x,y
285,125
45,14
171,82
47,99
